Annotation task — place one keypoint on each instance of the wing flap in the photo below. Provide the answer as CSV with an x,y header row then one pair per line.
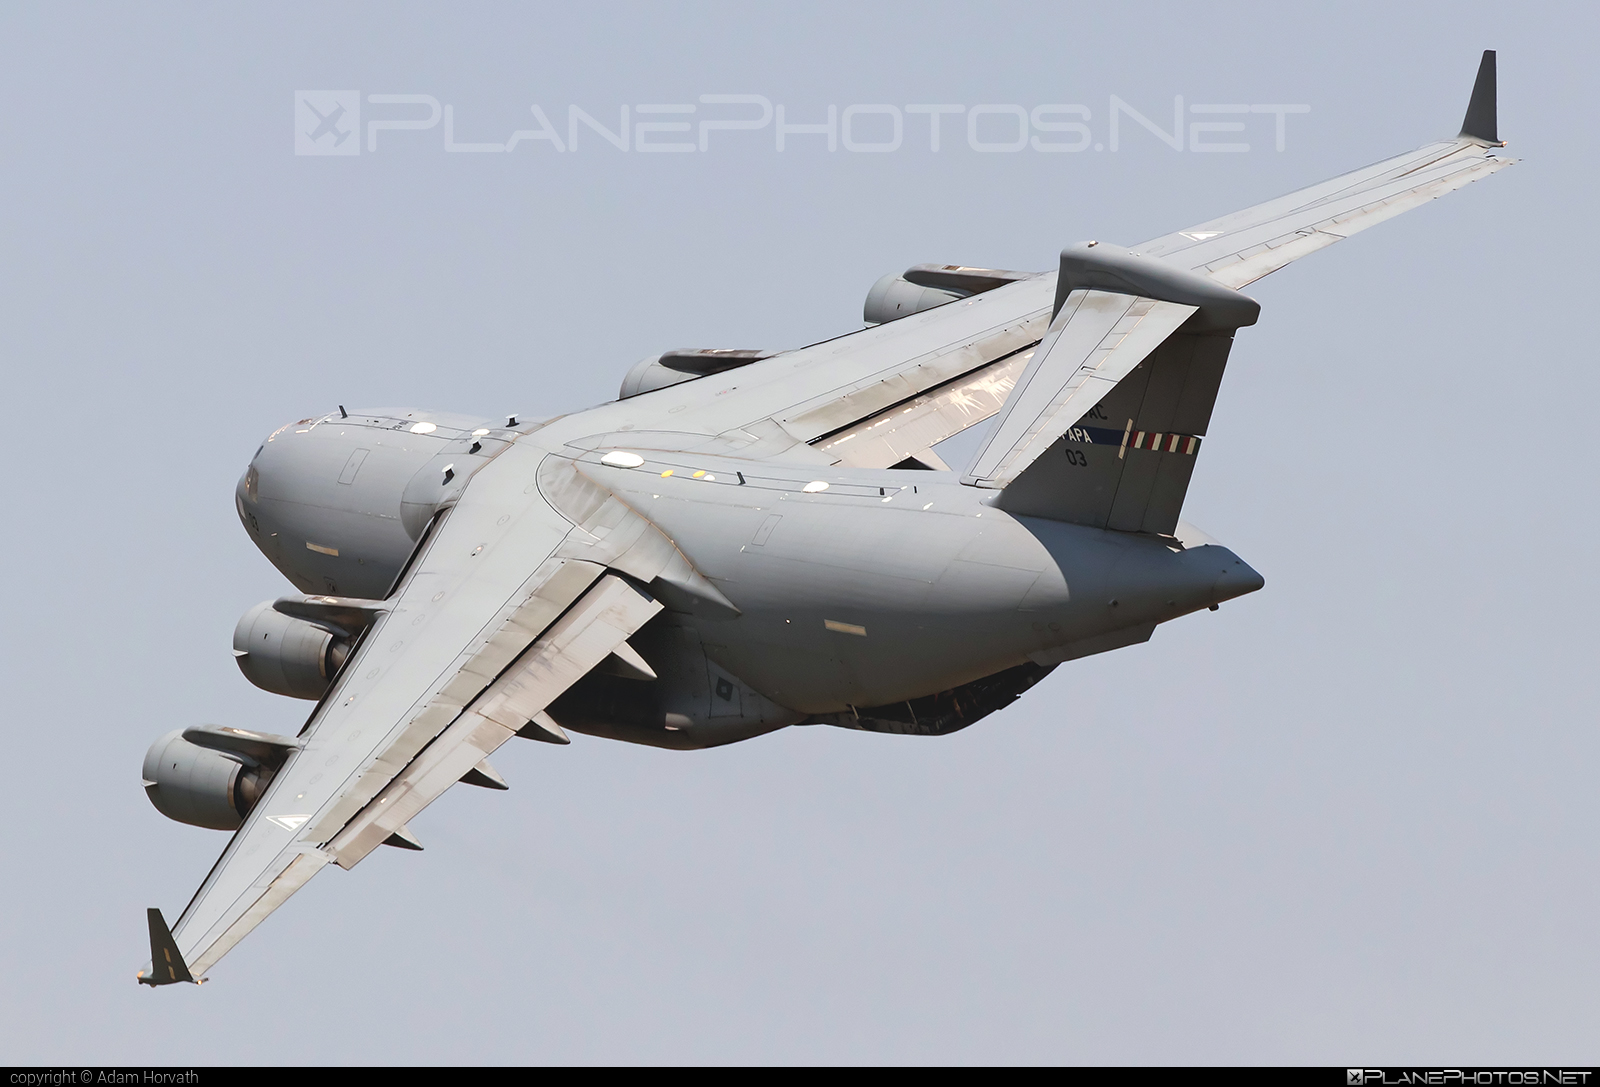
x,y
603,619
274,887
909,429
885,391
781,404
552,589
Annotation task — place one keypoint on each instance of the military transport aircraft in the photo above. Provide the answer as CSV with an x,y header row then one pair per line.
x,y
742,541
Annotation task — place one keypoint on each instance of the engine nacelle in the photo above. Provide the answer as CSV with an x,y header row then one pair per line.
x,y
924,286
894,297
676,367
648,375
199,786
285,655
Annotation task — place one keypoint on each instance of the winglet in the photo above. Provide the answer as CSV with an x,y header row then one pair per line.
x,y
165,958
1481,122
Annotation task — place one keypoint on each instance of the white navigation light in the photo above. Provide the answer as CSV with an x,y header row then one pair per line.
x,y
814,486
619,458
424,428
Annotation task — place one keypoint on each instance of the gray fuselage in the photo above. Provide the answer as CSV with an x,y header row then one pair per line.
x,y
885,585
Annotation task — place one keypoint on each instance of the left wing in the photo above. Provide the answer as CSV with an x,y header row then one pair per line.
x,y
784,404
866,399
1240,248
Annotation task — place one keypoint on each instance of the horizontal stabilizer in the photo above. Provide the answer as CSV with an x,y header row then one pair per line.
x,y
166,961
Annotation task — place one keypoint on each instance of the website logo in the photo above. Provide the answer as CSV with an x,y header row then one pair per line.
x,y
327,122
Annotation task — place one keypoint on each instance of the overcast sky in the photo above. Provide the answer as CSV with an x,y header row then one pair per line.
x,y
1348,819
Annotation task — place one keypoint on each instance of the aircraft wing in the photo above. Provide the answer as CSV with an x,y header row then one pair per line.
x,y
500,612
875,397
1242,247
802,404
1239,249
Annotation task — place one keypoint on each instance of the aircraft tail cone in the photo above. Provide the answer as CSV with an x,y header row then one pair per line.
x,y
1237,579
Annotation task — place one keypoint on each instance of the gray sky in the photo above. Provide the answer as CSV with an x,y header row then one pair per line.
x,y
1350,818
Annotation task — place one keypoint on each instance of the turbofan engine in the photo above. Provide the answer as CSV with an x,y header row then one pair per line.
x,y
295,645
285,655
211,777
